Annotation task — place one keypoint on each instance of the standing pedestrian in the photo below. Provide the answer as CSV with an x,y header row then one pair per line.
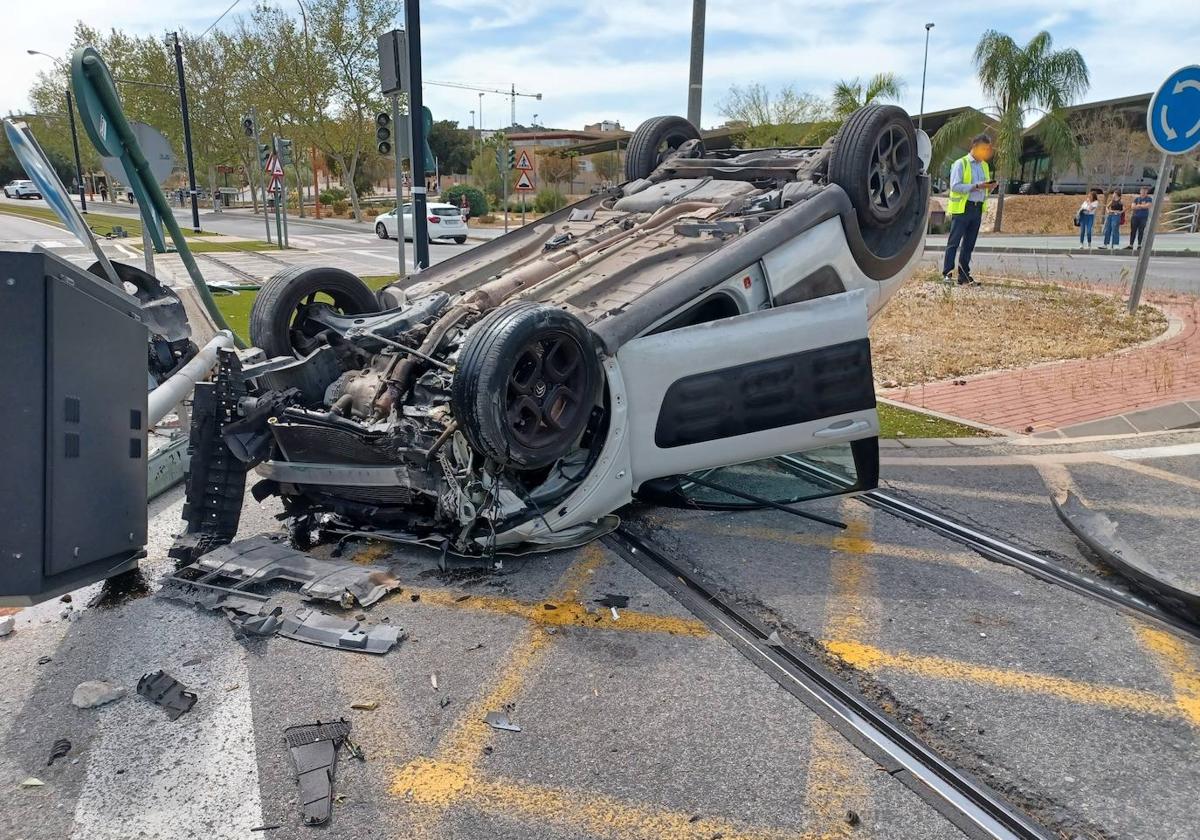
x,y
104,193
465,208
1114,217
1087,217
970,183
1141,215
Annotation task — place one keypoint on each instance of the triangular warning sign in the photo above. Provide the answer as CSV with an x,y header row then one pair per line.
x,y
523,162
277,168
271,164
524,183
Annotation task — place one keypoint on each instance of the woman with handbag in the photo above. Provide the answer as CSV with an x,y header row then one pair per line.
x,y
1087,218
1114,217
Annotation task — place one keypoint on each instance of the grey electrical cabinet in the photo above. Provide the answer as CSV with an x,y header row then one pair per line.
x,y
72,428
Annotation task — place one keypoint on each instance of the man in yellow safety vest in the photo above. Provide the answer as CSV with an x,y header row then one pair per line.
x,y
970,183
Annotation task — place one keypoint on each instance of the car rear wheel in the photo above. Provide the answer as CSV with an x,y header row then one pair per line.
x,y
653,141
460,239
381,230
279,322
875,161
525,385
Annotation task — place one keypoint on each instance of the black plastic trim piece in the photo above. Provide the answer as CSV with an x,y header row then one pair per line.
x,y
767,394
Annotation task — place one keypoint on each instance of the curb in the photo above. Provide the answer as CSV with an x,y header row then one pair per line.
x,y
1052,252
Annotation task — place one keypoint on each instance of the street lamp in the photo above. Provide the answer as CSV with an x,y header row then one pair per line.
x,y
924,68
481,123
74,136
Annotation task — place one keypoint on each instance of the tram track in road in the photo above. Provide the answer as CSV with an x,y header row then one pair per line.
x,y
1003,551
969,804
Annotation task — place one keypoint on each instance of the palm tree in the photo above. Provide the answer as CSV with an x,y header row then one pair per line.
x,y
1019,82
849,96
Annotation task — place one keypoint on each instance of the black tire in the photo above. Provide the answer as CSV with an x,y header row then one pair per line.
x,y
500,394
461,240
275,309
652,141
875,161
381,231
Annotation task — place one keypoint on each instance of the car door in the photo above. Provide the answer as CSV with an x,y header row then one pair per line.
x,y
406,212
768,383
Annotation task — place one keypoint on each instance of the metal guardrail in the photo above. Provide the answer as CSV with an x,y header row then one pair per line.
x,y
1184,218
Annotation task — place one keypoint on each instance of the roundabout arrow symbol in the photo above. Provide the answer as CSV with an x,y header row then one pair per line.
x,y
1184,84
1166,127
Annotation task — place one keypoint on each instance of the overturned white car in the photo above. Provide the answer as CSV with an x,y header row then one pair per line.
x,y
711,310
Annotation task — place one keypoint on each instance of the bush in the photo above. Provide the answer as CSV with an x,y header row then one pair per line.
x,y
548,200
333,195
340,207
372,212
475,199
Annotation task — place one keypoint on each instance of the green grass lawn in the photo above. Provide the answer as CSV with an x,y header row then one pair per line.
x,y
235,306
218,246
901,422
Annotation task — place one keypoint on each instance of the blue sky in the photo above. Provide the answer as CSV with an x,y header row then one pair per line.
x,y
627,59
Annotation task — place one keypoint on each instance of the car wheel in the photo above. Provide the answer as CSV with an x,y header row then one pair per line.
x,y
278,318
460,239
653,141
526,381
381,230
875,161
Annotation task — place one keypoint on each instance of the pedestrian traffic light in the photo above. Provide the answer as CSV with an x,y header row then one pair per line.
x,y
248,126
264,155
285,152
383,132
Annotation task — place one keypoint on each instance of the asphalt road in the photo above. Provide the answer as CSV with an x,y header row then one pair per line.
x,y
649,726
1166,274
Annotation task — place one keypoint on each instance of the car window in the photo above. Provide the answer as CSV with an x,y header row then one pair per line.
x,y
787,479
407,208
447,212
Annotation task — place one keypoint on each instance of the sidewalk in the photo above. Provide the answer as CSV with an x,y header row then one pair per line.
x,y
1059,394
1165,245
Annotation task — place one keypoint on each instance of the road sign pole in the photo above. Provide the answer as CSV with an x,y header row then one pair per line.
x,y
399,184
416,110
278,147
278,220
148,246
1143,263
187,133
261,175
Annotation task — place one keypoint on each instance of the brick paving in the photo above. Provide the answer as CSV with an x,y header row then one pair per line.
x,y
1057,394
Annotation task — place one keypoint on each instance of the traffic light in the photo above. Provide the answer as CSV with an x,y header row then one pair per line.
x,y
512,157
264,155
248,126
285,152
383,132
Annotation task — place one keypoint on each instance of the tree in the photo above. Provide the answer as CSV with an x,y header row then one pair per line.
x,y
753,105
607,166
555,168
1020,82
849,96
790,118
451,146
1110,152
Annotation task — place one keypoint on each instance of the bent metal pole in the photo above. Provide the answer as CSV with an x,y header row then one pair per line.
x,y
1143,263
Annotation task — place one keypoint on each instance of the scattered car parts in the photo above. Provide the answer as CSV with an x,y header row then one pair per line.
x,y
59,750
499,720
314,750
162,689
320,628
1171,590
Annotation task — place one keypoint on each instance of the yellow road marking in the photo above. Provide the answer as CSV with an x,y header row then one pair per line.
x,y
563,612
836,542
832,785
443,784
1180,663
465,741
870,658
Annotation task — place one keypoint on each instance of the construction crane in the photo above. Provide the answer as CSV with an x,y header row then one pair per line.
x,y
512,93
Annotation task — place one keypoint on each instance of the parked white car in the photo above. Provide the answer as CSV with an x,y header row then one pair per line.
x,y
445,222
21,189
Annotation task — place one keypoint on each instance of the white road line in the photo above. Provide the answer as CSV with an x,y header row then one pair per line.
x,y
148,776
1150,452
386,257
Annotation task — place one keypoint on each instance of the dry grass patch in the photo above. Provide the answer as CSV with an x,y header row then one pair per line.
x,y
931,331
